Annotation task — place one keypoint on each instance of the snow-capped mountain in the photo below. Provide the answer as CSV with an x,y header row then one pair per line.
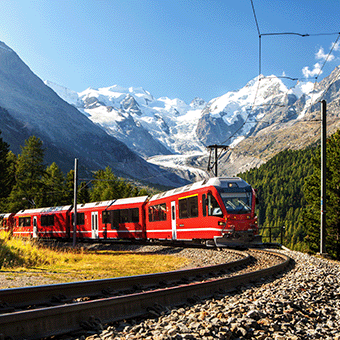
x,y
165,126
147,125
161,127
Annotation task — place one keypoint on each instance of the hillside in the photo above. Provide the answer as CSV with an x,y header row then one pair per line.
x,y
280,184
29,107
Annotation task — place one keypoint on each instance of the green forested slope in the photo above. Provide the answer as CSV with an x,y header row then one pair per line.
x,y
280,184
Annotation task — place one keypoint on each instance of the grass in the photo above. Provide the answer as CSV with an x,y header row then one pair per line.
x,y
65,265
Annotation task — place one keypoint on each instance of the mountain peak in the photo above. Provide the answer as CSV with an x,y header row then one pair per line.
x,y
198,103
3,46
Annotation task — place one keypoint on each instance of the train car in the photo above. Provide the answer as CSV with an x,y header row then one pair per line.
x,y
51,222
114,219
215,211
7,221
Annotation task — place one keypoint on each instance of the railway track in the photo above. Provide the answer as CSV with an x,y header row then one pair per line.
x,y
43,311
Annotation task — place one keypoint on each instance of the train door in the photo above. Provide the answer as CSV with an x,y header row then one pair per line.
x,y
35,227
173,220
94,224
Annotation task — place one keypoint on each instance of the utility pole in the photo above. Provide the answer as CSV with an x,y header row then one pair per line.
x,y
214,165
323,179
75,201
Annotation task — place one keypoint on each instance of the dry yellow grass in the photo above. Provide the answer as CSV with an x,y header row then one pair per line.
x,y
71,265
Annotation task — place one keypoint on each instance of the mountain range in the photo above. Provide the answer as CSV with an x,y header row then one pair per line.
x,y
161,140
256,122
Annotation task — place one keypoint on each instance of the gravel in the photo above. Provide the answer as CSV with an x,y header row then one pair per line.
x,y
301,303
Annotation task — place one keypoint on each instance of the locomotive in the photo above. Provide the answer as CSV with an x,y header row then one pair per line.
x,y
217,211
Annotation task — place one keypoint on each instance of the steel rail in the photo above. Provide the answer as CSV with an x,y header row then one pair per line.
x,y
56,320
41,295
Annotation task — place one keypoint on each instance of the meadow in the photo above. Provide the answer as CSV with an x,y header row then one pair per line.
x,y
19,256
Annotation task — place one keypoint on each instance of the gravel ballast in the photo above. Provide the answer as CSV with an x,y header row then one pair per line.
x,y
302,303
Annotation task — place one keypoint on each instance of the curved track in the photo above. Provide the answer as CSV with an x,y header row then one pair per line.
x,y
62,308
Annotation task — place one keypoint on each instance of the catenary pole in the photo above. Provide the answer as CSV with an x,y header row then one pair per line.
x,y
215,164
75,200
323,178
216,161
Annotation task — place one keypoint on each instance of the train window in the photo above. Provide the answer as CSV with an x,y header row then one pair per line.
x,y
115,219
106,217
188,207
183,208
24,221
47,220
124,216
214,208
193,206
204,204
157,212
128,215
134,215
120,216
80,218
238,202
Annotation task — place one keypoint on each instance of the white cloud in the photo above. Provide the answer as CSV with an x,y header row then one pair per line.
x,y
312,73
336,46
322,56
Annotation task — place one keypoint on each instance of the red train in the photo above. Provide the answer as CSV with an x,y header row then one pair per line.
x,y
214,211
6,221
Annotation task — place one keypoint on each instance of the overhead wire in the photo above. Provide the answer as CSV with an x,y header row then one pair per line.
x,y
260,77
162,172
263,77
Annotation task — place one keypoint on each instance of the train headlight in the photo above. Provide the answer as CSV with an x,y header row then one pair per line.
x,y
221,223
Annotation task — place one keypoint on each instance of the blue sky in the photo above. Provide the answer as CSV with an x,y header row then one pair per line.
x,y
179,49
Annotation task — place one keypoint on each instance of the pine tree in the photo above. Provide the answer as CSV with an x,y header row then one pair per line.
x,y
69,188
55,186
83,195
12,160
106,186
280,192
4,171
28,189
311,218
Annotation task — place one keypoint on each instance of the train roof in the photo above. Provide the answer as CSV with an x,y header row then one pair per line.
x,y
130,200
44,210
5,215
221,182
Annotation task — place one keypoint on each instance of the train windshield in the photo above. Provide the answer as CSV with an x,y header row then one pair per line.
x,y
237,202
